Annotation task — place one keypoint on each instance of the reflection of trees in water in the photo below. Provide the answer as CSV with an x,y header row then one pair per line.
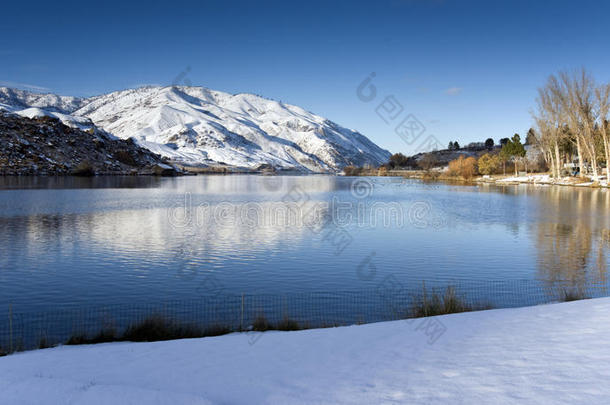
x,y
563,253
602,262
572,240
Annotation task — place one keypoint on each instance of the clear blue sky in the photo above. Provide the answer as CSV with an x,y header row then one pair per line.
x,y
467,70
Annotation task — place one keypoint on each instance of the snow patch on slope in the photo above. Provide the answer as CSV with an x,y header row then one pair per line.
x,y
70,120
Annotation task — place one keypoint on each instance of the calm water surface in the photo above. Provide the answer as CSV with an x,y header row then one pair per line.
x,y
120,240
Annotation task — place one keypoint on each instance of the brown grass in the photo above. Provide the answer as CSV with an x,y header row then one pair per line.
x,y
572,294
449,302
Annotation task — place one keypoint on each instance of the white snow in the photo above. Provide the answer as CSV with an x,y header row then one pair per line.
x,y
201,126
70,120
533,178
555,353
547,179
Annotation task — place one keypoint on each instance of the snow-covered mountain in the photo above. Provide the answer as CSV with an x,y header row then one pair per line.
x,y
33,105
196,125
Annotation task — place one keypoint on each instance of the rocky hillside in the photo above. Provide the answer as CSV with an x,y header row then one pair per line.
x,y
203,127
46,146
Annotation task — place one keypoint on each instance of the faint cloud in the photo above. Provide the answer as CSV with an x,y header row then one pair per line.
x,y
434,122
23,86
453,91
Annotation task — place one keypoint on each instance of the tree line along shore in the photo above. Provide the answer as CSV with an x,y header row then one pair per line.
x,y
569,143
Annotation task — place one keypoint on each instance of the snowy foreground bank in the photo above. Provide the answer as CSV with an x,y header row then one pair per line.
x,y
556,353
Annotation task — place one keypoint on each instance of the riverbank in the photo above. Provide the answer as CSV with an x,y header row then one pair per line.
x,y
545,179
533,178
549,353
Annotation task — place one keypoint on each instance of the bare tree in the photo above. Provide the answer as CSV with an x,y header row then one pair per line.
x,y
550,120
578,103
545,141
573,111
428,161
602,97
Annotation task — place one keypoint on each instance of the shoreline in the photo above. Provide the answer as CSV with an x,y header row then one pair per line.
x,y
537,179
541,179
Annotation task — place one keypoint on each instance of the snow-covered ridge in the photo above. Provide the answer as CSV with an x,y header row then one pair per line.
x,y
35,105
197,125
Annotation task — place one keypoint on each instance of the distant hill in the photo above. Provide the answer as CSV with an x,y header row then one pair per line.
x,y
198,126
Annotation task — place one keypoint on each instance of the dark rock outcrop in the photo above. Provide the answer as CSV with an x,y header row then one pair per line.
x,y
45,146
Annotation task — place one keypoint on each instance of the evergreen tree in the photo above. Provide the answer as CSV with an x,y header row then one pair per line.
x,y
530,138
489,144
517,150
